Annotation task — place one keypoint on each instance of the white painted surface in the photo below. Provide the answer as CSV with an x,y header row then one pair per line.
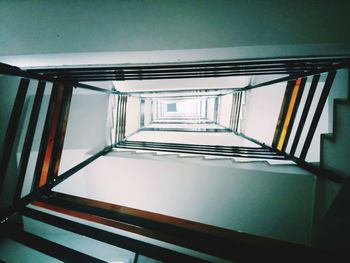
x,y
261,111
86,129
133,116
147,112
262,203
225,108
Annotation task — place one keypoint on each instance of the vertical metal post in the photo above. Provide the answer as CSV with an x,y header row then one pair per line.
x,y
23,163
142,112
294,112
216,110
45,137
12,128
318,112
60,133
306,110
283,113
239,106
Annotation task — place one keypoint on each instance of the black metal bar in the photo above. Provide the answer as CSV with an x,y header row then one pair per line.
x,y
233,111
177,97
280,63
116,120
163,229
292,76
180,72
48,247
344,64
238,110
247,155
229,244
22,167
337,178
194,74
259,152
294,113
12,128
311,60
9,211
283,113
179,122
192,149
181,145
318,112
15,71
60,133
124,117
161,119
196,237
122,113
172,76
137,246
195,91
142,112
306,110
120,118
117,124
187,129
310,66
160,70
44,138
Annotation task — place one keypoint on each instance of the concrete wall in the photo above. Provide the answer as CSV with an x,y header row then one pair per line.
x,y
261,112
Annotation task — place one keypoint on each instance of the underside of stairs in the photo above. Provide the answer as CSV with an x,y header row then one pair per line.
x,y
332,216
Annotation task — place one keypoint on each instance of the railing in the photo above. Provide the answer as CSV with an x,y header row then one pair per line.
x,y
286,143
227,244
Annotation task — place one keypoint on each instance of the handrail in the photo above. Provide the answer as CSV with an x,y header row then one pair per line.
x,y
292,66
331,175
6,213
213,240
15,71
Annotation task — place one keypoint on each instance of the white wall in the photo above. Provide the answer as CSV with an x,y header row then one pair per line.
x,y
133,116
210,109
224,111
147,112
261,111
86,128
276,205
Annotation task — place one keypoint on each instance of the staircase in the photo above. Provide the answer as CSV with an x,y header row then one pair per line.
x,y
332,215
337,144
